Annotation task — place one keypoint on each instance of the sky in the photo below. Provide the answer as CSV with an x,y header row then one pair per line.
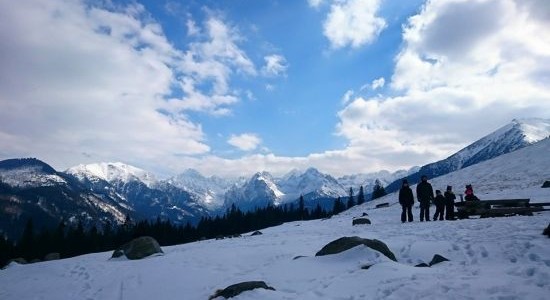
x,y
232,87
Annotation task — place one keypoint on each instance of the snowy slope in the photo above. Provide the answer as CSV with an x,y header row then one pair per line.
x,y
113,171
511,137
497,258
367,180
260,191
31,188
524,169
209,191
147,197
311,184
28,173
494,258
263,189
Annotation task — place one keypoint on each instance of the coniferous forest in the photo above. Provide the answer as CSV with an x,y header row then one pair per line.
x,y
71,240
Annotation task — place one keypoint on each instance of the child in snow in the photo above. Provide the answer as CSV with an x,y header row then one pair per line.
x,y
439,202
449,203
470,193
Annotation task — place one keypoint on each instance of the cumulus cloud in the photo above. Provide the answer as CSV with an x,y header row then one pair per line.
x,y
275,65
79,78
353,23
466,68
245,141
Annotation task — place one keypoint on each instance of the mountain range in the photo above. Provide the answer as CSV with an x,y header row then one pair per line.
x,y
101,193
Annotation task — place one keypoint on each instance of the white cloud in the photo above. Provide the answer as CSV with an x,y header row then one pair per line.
x,y
275,65
192,29
245,141
378,83
441,98
212,61
83,83
353,23
347,97
315,3
466,68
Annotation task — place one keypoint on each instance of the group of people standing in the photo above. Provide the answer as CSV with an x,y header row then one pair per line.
x,y
424,193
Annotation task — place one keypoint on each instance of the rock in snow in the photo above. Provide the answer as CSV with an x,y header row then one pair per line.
x,y
236,289
138,248
360,221
346,243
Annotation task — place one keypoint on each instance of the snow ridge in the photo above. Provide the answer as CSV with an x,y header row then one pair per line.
x,y
113,171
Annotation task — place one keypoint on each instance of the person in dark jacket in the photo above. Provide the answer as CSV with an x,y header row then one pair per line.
x,y
406,199
439,202
449,203
424,194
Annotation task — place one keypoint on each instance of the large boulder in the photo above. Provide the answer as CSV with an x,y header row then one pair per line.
x,y
139,248
236,289
546,184
348,242
360,221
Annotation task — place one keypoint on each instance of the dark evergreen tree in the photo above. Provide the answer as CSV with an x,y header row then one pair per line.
x,y
301,208
378,190
26,246
6,251
338,206
361,196
351,201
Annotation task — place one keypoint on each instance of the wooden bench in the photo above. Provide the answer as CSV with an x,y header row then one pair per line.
x,y
497,208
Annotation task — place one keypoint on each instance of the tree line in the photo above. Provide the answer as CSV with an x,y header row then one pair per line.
x,y
73,240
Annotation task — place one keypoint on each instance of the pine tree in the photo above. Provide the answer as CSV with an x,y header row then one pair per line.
x,y
301,212
351,201
338,206
378,190
26,245
361,196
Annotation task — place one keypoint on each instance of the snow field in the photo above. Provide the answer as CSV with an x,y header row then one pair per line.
x,y
497,258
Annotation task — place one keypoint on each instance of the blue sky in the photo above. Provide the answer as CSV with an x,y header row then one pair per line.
x,y
235,87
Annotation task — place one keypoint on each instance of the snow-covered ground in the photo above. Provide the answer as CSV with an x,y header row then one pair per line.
x,y
497,258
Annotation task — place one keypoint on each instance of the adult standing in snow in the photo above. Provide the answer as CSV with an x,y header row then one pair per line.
x,y
449,203
424,194
406,199
439,202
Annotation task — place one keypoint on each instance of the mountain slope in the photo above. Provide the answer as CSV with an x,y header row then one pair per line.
x,y
511,137
208,191
147,197
260,191
487,257
30,188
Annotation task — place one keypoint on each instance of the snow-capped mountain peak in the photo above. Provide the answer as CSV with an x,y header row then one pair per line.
x,y
533,129
113,171
515,135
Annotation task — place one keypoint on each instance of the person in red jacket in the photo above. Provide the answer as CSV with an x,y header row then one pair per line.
x,y
470,193
406,199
